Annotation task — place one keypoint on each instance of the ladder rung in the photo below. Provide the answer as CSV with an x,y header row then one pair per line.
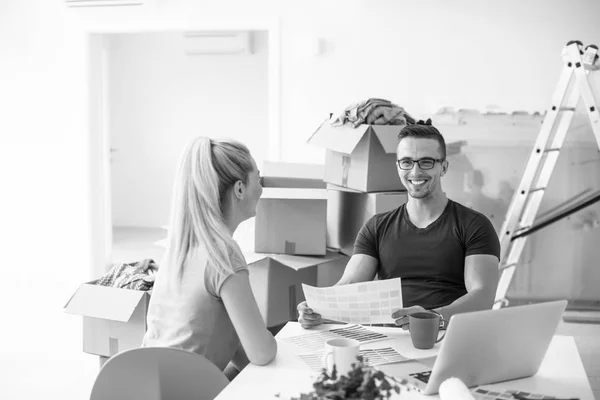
x,y
521,230
551,149
589,200
566,109
537,189
506,266
500,303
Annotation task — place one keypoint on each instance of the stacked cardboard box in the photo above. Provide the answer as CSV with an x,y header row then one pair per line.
x,y
291,213
361,177
361,181
290,240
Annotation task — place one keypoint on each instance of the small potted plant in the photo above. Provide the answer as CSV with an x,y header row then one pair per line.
x,y
362,382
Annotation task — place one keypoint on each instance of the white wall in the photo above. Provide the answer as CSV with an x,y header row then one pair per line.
x,y
160,98
420,54
424,54
44,201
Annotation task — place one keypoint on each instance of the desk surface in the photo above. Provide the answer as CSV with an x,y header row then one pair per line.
x,y
561,374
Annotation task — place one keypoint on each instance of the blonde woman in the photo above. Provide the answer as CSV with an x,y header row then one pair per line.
x,y
202,300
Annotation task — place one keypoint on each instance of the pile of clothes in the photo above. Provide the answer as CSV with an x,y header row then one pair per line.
x,y
136,276
373,112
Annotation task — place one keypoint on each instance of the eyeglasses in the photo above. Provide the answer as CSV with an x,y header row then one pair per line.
x,y
424,163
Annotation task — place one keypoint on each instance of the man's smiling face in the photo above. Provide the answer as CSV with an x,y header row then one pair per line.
x,y
421,183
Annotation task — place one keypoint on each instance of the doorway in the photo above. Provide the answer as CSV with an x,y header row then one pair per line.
x,y
150,96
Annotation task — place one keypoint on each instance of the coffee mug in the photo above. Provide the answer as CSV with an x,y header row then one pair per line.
x,y
342,353
424,328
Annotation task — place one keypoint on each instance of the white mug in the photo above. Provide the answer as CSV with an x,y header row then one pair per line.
x,y
342,353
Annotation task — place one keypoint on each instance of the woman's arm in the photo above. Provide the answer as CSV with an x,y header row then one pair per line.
x,y
259,344
240,359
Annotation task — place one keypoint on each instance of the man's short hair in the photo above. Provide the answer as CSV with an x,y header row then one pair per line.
x,y
424,130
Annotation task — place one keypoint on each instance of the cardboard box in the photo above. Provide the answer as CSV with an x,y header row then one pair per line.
x,y
292,210
348,211
291,221
292,175
361,158
114,319
276,281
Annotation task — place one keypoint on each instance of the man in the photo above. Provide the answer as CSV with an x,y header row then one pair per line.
x,y
446,254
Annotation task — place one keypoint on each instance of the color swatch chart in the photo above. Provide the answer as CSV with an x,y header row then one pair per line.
x,y
483,394
314,342
358,303
371,357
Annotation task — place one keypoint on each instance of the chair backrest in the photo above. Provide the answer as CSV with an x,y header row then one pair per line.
x,y
158,373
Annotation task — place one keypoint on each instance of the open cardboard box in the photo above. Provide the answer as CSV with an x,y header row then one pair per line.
x,y
361,158
276,281
348,210
114,319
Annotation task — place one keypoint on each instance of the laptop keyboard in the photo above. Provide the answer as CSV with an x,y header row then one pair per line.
x,y
422,376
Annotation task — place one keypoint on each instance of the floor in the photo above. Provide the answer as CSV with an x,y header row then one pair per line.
x,y
134,244
56,367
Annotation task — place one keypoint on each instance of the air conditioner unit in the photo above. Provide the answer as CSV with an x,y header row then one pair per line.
x,y
103,3
221,42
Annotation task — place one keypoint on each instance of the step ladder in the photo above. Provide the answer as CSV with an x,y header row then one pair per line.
x,y
573,84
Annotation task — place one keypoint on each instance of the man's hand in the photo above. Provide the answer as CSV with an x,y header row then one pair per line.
x,y
307,317
401,315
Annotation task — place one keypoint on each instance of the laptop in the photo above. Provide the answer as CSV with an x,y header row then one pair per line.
x,y
492,346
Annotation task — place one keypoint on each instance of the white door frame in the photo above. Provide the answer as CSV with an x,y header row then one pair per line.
x,y
101,218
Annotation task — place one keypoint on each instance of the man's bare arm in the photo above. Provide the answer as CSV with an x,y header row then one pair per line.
x,y
481,281
360,268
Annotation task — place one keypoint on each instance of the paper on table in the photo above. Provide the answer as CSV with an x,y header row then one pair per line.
x,y
372,357
485,394
358,303
315,341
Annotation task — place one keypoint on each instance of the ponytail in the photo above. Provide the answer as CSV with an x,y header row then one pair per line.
x,y
201,184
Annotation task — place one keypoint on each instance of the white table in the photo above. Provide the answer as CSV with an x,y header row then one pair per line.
x,y
561,374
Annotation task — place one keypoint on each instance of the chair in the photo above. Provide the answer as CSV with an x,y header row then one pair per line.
x,y
158,373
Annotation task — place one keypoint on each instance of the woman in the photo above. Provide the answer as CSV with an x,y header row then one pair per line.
x,y
202,300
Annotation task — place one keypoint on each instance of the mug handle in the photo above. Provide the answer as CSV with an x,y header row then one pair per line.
x,y
442,324
326,361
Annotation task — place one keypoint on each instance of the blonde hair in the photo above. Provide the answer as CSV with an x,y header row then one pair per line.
x,y
207,170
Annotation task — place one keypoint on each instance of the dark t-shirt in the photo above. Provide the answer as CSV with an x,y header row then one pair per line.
x,y
431,260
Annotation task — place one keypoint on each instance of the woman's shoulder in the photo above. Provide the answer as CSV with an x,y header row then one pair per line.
x,y
236,257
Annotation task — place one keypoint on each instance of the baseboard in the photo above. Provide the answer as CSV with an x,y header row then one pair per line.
x,y
582,317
